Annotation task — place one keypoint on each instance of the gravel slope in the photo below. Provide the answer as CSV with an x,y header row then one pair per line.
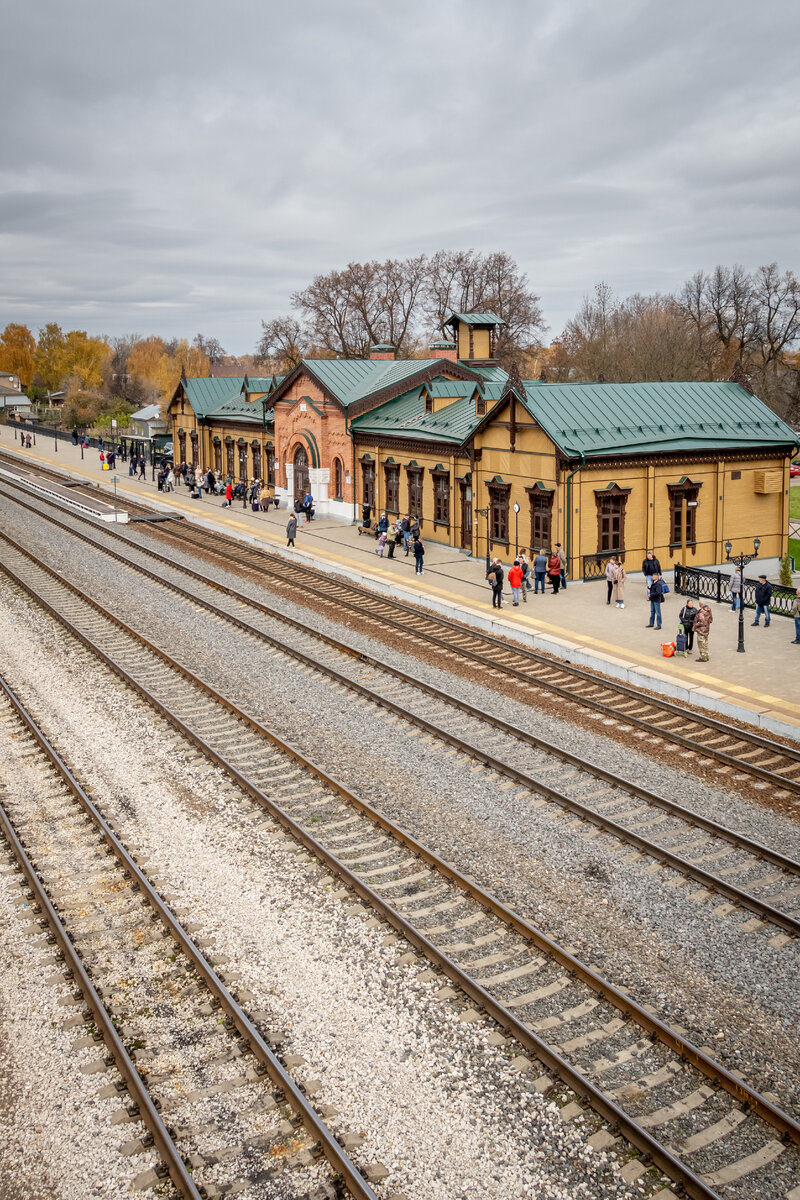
x,y
439,1105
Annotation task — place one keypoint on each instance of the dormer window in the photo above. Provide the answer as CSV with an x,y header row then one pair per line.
x,y
480,406
428,403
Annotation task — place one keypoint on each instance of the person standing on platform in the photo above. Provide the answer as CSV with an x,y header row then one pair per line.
x,y
527,586
618,584
291,530
142,467
496,575
170,480
563,560
539,571
655,594
515,582
228,494
687,618
383,537
405,526
554,571
650,566
763,597
796,615
419,555
611,566
736,589
702,627
308,505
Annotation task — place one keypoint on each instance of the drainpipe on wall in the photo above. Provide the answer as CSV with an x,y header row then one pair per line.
x,y
349,431
568,534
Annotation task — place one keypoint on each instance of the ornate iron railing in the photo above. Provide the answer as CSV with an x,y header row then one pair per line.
x,y
701,584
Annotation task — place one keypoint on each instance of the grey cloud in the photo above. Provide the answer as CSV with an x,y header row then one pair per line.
x,y
187,166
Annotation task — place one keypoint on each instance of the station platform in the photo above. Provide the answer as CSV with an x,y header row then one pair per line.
x,y
760,687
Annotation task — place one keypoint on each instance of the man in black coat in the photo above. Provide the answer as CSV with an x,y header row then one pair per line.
x,y
650,565
763,597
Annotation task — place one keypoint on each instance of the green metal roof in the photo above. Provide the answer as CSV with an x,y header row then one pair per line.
x,y
206,394
238,407
263,383
475,318
492,374
352,379
406,416
644,418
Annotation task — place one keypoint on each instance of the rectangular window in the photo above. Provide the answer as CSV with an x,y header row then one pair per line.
x,y
229,459
270,466
611,519
195,456
541,520
676,528
182,445
498,513
441,499
217,458
414,491
392,488
243,463
256,462
368,483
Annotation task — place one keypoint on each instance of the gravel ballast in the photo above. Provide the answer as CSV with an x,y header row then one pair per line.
x,y
698,969
442,1108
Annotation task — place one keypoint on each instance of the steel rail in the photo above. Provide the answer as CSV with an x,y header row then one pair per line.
x,y
169,1152
336,1156
532,656
661,1156
690,816
270,558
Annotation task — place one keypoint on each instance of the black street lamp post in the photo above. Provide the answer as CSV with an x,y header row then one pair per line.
x,y
741,561
484,512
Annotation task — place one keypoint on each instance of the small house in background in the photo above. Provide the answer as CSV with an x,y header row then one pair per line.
x,y
12,398
148,422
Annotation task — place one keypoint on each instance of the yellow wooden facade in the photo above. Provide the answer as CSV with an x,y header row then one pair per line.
x,y
740,495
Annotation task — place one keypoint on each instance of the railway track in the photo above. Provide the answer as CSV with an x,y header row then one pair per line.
x,y
731,749
619,807
695,1121
89,892
735,753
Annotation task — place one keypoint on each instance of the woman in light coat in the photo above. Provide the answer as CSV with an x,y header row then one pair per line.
x,y
619,585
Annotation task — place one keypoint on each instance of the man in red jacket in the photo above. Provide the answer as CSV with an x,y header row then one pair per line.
x,y
515,582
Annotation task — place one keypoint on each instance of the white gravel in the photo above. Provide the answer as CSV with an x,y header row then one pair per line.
x,y
730,989
55,1136
438,1105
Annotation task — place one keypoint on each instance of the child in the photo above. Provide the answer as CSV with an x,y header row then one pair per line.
x,y
381,543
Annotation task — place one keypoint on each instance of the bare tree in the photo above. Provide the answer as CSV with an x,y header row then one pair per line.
x,y
210,346
283,342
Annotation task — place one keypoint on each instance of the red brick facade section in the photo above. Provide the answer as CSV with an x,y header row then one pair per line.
x,y
327,425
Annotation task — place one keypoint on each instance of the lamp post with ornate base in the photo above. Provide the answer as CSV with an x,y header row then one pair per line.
x,y
741,561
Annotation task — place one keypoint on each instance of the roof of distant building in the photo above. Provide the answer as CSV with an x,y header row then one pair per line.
x,y
150,412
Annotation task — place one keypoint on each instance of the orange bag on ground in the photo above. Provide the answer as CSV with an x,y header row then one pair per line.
x,y
668,649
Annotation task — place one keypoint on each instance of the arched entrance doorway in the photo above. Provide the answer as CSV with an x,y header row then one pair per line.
x,y
301,480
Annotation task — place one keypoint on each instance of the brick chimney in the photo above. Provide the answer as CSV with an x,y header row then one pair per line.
x,y
382,350
444,349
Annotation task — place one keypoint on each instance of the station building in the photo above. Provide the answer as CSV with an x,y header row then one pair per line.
x,y
485,459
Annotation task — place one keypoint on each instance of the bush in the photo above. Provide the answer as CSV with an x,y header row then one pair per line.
x,y
786,571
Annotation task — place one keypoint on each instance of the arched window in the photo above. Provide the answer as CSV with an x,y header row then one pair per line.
x,y
302,482
338,479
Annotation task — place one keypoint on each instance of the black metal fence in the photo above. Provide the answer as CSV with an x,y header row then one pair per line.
x,y
700,584
594,565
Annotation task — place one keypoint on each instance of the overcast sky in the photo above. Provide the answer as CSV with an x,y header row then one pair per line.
x,y
177,167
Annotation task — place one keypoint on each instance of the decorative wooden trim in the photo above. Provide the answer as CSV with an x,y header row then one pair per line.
x,y
613,489
427,374
405,446
729,454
